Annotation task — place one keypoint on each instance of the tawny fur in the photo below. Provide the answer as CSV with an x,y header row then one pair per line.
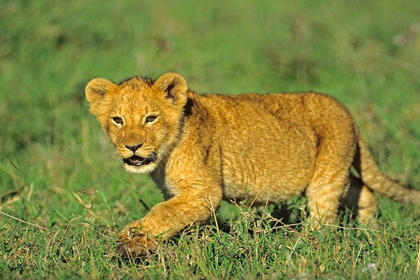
x,y
263,148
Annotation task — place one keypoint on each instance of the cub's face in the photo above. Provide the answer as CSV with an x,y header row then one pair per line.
x,y
142,118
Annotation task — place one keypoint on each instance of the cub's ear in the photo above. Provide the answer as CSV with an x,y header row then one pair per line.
x,y
173,86
98,88
97,93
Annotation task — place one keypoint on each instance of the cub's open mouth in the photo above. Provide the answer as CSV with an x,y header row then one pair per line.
x,y
139,161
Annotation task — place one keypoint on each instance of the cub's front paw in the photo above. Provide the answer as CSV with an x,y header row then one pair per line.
x,y
136,244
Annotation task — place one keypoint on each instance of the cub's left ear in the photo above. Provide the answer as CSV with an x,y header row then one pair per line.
x,y
174,87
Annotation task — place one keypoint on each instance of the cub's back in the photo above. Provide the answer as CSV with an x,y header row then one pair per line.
x,y
313,111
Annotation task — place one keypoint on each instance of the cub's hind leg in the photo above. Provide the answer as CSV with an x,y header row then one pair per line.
x,y
324,194
361,199
331,175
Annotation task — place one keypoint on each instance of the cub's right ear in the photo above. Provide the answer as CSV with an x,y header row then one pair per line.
x,y
97,89
99,94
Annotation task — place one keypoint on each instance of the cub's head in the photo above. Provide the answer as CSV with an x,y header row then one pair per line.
x,y
143,118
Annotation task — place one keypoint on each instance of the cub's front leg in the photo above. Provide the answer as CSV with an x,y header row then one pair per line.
x,y
163,221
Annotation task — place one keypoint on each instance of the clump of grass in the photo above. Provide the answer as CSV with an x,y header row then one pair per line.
x,y
255,245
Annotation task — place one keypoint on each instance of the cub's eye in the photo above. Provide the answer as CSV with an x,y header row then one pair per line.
x,y
118,120
151,119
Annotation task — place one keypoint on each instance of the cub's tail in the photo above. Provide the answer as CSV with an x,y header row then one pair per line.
x,y
376,180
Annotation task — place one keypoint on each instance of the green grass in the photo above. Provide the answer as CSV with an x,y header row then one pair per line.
x,y
67,195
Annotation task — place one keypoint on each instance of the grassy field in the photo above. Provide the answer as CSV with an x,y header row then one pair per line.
x,y
64,195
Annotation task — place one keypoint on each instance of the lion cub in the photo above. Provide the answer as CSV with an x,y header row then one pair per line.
x,y
200,149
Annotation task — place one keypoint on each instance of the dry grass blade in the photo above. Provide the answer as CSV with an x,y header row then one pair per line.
x,y
22,221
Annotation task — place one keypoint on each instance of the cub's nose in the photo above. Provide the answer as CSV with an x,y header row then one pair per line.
x,y
133,148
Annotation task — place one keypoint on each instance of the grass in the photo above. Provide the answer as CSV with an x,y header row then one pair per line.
x,y
63,196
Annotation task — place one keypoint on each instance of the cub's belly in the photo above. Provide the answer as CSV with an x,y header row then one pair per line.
x,y
262,179
265,186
